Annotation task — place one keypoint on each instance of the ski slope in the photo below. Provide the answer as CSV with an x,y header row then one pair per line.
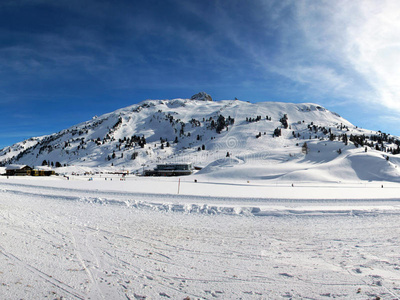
x,y
181,130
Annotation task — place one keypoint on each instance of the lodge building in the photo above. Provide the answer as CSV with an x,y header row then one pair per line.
x,y
170,170
24,170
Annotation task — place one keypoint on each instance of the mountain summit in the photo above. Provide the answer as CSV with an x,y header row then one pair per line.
x,y
202,96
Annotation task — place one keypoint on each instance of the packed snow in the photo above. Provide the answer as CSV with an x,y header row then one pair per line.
x,y
107,237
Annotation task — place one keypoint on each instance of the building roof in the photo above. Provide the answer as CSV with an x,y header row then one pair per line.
x,y
175,164
16,167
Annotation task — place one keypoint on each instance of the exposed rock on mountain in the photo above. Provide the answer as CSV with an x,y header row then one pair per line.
x,y
202,96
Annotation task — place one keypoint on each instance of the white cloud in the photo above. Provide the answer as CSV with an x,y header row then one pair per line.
x,y
353,48
347,49
374,49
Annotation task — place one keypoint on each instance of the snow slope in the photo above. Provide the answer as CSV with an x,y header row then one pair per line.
x,y
263,140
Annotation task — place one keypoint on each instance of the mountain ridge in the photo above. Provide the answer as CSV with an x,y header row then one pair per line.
x,y
240,134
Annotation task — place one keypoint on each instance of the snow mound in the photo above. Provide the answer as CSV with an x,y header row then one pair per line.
x,y
374,166
221,163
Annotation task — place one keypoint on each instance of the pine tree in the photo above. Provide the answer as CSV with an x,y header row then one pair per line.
x,y
305,148
277,132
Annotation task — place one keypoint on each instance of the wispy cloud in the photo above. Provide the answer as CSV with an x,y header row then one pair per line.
x,y
350,49
373,48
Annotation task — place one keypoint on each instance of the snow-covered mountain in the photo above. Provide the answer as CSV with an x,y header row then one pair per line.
x,y
229,138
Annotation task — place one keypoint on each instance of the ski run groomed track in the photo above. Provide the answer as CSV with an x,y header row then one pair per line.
x,y
140,239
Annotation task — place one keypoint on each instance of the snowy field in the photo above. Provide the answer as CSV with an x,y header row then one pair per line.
x,y
140,239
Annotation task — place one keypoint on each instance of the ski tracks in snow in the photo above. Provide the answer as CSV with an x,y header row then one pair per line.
x,y
46,277
94,250
88,260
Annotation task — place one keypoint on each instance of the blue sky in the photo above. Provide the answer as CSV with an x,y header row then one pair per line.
x,y
62,62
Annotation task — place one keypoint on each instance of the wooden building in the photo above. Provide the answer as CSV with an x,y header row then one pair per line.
x,y
43,171
24,170
18,170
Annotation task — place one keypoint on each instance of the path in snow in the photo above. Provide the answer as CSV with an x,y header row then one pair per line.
x,y
53,247
344,199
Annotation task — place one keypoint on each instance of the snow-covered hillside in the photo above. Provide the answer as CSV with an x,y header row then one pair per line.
x,y
230,138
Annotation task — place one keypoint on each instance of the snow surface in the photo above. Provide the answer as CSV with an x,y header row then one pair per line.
x,y
139,239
